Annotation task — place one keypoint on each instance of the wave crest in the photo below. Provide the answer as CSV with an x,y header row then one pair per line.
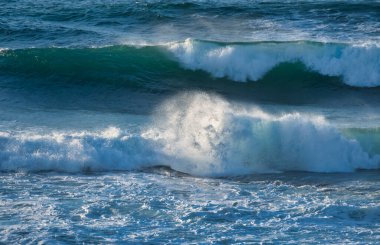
x,y
357,65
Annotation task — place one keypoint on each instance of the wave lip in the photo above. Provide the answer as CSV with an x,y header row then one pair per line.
x,y
358,65
198,134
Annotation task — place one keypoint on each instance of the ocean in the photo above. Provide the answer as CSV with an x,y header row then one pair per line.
x,y
189,122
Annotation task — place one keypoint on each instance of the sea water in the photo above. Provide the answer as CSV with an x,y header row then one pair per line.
x,y
189,121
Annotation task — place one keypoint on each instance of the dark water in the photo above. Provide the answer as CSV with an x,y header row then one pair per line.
x,y
189,121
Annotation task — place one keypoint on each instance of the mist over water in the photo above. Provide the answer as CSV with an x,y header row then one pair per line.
x,y
189,121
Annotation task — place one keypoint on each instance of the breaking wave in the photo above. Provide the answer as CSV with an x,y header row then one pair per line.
x,y
354,65
357,65
199,134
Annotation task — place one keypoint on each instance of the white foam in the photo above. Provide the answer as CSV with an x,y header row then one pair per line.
x,y
199,134
209,136
80,151
358,65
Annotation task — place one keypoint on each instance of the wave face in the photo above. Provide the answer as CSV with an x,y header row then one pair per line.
x,y
198,134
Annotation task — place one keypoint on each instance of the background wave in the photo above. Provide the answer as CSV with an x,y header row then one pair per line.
x,y
116,78
355,65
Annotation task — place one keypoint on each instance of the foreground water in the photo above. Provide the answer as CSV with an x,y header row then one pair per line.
x,y
189,121
160,205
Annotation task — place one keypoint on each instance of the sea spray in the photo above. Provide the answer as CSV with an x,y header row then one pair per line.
x,y
209,136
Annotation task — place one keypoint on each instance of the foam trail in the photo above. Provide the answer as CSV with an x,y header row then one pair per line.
x,y
358,65
198,134
74,152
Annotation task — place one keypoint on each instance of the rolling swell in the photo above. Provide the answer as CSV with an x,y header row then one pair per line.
x,y
283,72
355,65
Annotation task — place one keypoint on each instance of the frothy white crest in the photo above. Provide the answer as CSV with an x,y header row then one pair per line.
x,y
110,149
358,65
2,50
199,134
208,136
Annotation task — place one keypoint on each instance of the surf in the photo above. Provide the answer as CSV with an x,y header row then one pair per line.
x,y
198,134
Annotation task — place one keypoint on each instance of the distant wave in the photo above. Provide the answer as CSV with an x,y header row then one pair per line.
x,y
355,65
198,134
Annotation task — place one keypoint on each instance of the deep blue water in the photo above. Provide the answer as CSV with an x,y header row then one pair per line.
x,y
189,121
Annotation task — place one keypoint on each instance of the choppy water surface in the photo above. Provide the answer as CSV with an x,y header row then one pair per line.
x,y
164,206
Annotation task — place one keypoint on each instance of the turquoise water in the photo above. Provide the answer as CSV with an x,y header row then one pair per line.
x,y
189,121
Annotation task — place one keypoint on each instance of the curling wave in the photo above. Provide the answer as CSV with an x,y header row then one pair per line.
x,y
140,66
198,134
